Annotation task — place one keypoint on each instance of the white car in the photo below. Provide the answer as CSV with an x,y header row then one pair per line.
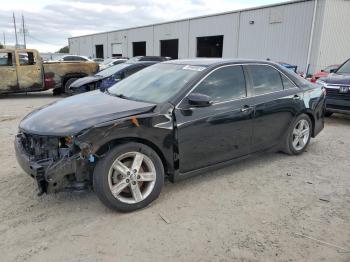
x,y
111,62
70,58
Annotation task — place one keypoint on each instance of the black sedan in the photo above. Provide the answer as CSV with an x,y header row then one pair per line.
x,y
172,119
337,86
108,77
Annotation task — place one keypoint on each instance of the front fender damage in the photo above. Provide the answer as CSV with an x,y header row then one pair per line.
x,y
72,167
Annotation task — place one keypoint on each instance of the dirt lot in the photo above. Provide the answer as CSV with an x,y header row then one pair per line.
x,y
252,211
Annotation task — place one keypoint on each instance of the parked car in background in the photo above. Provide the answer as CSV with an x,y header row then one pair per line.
x,y
74,58
108,77
293,68
173,119
111,62
149,58
324,72
98,60
22,70
337,85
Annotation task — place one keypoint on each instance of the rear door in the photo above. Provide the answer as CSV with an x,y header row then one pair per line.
x,y
277,101
8,74
221,131
29,70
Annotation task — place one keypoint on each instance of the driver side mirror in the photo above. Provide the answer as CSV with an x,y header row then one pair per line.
x,y
199,100
332,71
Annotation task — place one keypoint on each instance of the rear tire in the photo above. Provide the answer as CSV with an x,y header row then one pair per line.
x,y
298,135
129,177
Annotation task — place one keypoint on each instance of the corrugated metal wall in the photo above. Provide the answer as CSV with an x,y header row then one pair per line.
x,y
281,33
334,40
175,30
226,25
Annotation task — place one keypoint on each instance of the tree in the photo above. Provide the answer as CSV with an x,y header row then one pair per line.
x,y
63,50
1,46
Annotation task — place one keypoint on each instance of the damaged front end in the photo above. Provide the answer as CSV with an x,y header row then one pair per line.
x,y
57,163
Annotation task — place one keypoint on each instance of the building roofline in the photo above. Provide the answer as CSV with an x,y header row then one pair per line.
x,y
199,17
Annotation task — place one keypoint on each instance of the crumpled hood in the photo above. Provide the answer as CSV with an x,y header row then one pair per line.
x,y
337,79
85,80
74,114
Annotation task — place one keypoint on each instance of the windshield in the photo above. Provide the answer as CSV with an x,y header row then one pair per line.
x,y
329,68
155,84
112,70
345,68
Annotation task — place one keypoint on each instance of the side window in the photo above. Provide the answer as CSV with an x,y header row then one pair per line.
x,y
265,79
287,84
224,84
26,58
6,59
77,58
68,58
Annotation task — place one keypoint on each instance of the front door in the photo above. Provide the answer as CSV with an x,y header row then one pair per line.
x,y
8,74
221,131
29,70
277,100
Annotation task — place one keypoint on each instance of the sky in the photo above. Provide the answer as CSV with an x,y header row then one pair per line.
x,y
50,22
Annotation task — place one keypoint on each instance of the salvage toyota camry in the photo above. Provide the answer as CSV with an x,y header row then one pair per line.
x,y
170,120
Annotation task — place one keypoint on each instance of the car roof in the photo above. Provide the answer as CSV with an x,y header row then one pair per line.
x,y
209,62
142,62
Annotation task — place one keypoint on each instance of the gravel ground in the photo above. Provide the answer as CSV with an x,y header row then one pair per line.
x,y
257,210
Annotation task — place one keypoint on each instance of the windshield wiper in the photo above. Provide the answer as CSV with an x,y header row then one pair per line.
x,y
121,96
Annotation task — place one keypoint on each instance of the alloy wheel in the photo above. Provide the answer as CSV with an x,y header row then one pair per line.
x,y
132,177
301,134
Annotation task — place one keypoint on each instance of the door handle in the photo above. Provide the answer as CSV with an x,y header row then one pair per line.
x,y
246,108
296,97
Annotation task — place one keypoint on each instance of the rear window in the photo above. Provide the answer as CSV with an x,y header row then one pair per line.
x,y
265,79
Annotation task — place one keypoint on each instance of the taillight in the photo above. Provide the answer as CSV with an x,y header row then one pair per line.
x,y
49,75
49,80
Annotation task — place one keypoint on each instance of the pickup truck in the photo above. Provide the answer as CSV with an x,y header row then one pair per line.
x,y
23,70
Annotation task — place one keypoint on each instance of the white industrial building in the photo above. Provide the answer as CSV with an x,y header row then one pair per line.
x,y
307,33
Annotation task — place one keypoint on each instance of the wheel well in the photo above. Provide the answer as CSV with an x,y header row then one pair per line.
x,y
312,121
106,147
65,78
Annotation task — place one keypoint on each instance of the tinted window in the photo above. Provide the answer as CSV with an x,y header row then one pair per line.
x,y
5,59
265,79
68,58
78,58
345,68
224,84
287,83
112,70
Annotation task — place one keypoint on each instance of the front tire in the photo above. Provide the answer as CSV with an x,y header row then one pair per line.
x,y
129,177
68,84
298,135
